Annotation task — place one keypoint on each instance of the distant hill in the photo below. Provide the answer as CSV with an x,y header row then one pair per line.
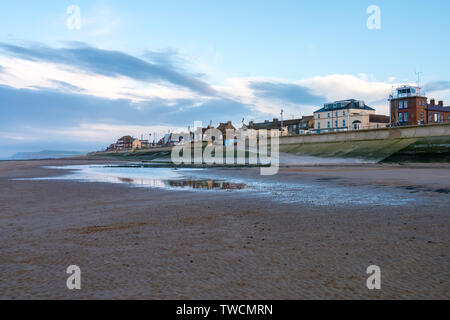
x,y
46,154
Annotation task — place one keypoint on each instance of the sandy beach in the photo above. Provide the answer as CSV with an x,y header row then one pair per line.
x,y
151,243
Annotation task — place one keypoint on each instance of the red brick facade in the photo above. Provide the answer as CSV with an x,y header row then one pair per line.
x,y
416,110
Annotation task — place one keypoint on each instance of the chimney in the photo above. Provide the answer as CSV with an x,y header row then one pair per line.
x,y
441,103
432,102
275,120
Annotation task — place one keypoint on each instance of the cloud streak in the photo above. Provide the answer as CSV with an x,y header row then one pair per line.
x,y
287,92
53,108
437,86
109,63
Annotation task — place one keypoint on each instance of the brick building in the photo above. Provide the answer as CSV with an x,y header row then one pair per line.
x,y
409,107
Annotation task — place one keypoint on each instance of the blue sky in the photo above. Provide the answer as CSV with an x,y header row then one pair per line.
x,y
141,67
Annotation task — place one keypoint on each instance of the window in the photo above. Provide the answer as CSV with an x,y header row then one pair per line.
x,y
422,116
400,117
328,114
343,113
318,116
335,124
436,117
318,125
328,124
406,116
405,104
343,123
336,114
400,104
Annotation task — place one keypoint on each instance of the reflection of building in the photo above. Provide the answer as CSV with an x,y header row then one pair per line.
x,y
409,107
347,115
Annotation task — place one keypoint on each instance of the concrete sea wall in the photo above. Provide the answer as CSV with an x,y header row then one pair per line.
x,y
413,143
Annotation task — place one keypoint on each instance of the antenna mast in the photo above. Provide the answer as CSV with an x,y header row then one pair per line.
x,y
418,77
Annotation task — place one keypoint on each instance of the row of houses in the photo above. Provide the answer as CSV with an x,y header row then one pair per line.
x,y
128,143
407,107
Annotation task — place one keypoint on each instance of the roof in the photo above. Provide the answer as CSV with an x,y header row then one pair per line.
x,y
438,108
224,126
126,138
344,104
379,118
277,124
265,125
291,122
206,129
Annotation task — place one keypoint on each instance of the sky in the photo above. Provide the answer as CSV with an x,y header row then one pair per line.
x,y
76,75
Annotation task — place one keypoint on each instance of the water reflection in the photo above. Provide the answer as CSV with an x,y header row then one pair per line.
x,y
205,184
324,192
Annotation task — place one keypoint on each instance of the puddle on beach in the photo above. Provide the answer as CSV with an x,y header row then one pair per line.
x,y
164,178
321,193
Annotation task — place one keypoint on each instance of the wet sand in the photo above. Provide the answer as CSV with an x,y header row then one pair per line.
x,y
142,243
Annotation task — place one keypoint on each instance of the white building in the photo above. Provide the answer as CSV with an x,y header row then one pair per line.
x,y
347,115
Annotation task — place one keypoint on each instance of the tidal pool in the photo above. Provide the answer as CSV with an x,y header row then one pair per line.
x,y
140,176
320,193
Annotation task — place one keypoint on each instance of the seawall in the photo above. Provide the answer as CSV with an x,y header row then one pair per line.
x,y
412,143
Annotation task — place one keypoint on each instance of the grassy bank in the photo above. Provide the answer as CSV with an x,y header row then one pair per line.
x,y
431,149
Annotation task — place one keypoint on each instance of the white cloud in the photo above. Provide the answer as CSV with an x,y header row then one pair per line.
x,y
19,73
332,87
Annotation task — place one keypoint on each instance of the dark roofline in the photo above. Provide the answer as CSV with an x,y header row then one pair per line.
x,y
438,108
411,97
348,106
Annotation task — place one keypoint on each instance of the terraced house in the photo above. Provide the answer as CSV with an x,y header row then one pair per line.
x,y
346,115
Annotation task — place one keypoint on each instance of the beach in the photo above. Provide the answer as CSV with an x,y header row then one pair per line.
x,y
152,243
